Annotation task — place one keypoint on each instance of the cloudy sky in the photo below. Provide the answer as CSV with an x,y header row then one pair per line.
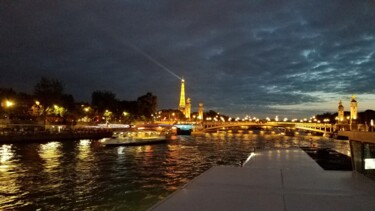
x,y
294,58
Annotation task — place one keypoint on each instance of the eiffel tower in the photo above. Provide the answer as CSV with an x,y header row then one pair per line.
x,y
182,97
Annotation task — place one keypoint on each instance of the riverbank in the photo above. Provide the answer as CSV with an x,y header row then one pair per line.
x,y
42,136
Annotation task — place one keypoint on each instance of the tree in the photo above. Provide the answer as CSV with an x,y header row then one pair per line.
x,y
49,92
104,100
55,103
147,105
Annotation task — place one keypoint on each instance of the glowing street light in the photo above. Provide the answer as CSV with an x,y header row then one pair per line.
x,y
86,109
9,103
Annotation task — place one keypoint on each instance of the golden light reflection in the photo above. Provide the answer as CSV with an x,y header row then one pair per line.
x,y
173,151
148,148
84,148
5,153
138,149
50,153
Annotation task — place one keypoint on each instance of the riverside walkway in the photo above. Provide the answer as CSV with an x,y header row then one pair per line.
x,y
275,179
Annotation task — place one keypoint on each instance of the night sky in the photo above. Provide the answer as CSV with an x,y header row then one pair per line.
x,y
293,58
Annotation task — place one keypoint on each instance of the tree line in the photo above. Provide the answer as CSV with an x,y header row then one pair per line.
x,y
50,103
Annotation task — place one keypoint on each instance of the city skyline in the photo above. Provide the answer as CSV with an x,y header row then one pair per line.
x,y
260,58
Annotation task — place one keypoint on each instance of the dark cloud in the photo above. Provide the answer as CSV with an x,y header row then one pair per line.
x,y
238,57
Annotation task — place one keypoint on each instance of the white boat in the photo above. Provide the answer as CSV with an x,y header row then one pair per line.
x,y
134,138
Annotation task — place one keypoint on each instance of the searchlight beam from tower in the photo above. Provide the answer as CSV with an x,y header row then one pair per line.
x,y
153,60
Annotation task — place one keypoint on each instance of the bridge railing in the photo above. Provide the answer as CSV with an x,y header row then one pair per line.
x,y
319,127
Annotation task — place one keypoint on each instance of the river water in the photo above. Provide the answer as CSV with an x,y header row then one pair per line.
x,y
85,175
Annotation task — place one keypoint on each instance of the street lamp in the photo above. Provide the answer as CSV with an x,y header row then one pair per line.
x,y
8,104
372,125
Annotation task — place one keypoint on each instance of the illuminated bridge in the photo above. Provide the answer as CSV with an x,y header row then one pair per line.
x,y
315,127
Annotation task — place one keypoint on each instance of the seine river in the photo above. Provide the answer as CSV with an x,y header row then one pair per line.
x,y
84,175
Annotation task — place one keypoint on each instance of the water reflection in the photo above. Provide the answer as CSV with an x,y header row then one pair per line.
x,y
6,154
9,186
78,175
84,149
50,153
120,150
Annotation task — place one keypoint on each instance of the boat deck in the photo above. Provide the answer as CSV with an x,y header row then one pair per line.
x,y
276,179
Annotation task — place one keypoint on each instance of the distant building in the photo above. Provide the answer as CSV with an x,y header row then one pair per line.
x,y
353,110
340,115
188,108
200,111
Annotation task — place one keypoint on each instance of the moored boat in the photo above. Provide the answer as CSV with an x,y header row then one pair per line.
x,y
134,138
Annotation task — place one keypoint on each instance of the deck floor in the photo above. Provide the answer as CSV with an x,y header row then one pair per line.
x,y
276,179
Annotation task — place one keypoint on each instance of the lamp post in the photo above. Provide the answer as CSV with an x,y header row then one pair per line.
x,y
372,125
8,104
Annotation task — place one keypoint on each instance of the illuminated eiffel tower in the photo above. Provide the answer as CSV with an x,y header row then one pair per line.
x,y
182,97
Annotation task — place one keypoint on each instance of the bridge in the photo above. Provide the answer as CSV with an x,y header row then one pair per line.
x,y
208,126
315,127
